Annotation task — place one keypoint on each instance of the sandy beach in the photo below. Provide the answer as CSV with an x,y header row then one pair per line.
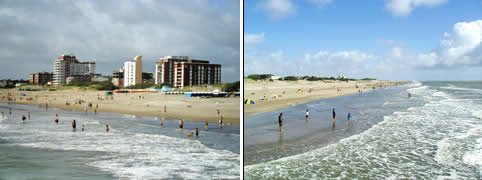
x,y
275,95
150,104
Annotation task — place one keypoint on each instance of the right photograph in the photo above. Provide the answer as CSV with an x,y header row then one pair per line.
x,y
362,89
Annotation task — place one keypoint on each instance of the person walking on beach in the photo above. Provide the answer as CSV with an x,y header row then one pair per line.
x,y
107,128
74,124
307,113
57,118
334,117
28,115
181,124
280,121
165,108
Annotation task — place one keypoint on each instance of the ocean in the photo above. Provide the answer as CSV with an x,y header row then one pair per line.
x,y
435,134
135,148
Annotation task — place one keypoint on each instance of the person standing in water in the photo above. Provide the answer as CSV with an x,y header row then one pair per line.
x,y
28,115
23,118
57,118
221,121
107,128
334,117
307,114
162,122
349,118
82,127
206,125
74,124
280,121
181,124
197,132
10,110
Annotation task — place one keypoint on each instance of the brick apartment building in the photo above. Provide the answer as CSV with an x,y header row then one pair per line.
x,y
41,78
180,71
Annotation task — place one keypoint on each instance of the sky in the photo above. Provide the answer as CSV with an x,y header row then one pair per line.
x,y
35,33
383,39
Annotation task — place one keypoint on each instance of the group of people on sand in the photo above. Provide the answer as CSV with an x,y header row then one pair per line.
x,y
307,114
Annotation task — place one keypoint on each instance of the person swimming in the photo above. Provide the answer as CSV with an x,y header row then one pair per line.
x,y
57,118
107,128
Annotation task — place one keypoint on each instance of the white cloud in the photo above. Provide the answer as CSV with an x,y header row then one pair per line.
x,y
278,8
462,47
405,7
321,3
322,63
396,52
250,39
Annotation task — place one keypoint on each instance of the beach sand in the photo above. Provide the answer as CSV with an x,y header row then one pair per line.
x,y
282,94
152,104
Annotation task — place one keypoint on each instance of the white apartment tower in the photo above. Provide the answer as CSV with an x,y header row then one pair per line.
x,y
68,66
133,71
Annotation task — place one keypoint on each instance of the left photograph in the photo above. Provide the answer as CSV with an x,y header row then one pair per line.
x,y
120,89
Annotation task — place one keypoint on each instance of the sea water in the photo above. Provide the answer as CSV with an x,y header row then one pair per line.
x,y
134,148
435,134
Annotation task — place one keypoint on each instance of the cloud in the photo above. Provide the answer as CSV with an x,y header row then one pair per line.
x,y
396,52
34,33
251,39
320,3
459,48
405,7
351,63
277,9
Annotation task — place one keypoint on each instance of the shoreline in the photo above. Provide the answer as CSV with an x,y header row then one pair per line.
x,y
151,104
279,95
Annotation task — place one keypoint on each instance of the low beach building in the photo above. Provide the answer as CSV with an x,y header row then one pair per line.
x,y
41,78
68,66
180,71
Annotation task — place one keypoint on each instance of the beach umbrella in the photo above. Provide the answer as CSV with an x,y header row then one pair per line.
x,y
249,101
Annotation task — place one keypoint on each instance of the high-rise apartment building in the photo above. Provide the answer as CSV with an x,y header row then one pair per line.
x,y
133,71
118,78
68,66
180,71
41,78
